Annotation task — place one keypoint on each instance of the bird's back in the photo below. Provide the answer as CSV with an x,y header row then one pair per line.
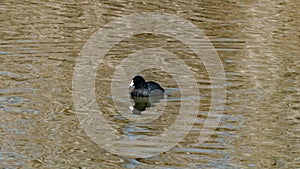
x,y
154,86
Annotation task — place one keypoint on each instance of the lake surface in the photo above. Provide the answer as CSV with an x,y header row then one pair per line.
x,y
257,43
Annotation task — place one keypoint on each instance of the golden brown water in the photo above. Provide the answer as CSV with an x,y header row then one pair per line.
x,y
257,42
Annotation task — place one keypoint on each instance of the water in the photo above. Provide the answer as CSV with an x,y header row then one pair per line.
x,y
257,42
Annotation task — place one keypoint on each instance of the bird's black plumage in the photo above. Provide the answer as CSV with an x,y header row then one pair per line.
x,y
145,89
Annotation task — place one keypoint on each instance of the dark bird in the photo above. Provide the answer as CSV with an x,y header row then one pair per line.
x,y
145,89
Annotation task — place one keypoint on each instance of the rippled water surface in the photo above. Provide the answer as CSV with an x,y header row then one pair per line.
x,y
258,45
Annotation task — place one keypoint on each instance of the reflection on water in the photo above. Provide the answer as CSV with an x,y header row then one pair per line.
x,y
258,44
141,103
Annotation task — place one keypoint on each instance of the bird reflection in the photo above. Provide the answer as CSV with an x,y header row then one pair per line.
x,y
141,103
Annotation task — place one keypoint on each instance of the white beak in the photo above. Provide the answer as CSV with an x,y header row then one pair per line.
x,y
131,84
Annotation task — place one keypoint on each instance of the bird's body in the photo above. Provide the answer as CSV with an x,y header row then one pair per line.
x,y
145,89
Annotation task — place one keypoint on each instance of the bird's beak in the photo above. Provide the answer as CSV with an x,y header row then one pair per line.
x,y
131,84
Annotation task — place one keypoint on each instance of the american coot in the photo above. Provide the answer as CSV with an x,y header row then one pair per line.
x,y
145,89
